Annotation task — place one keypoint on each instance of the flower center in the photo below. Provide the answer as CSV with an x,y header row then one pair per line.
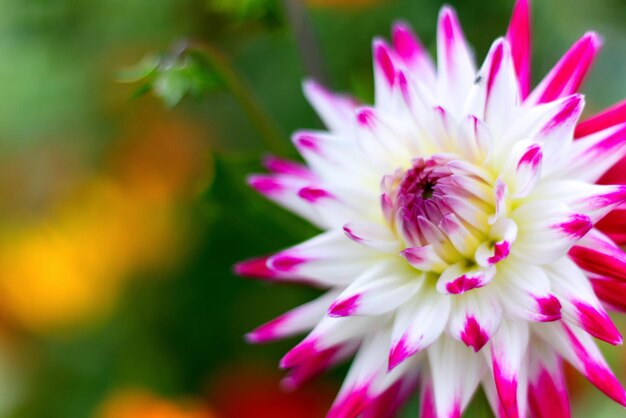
x,y
445,213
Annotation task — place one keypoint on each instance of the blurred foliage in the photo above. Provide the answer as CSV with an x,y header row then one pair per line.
x,y
241,10
172,76
121,219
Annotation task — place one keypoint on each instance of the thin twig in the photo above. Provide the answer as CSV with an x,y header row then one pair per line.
x,y
305,38
244,95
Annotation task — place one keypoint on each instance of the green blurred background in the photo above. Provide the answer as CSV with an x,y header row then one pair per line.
x,y
122,214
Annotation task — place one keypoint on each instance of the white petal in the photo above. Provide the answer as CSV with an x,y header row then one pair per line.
x,y
418,323
380,289
508,357
334,110
330,258
452,388
455,64
475,317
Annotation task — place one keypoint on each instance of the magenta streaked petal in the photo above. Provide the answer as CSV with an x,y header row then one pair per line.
x,y
519,37
508,357
383,61
314,194
407,45
526,292
427,404
393,399
612,116
300,319
500,191
597,323
307,349
593,366
279,166
268,331
506,386
365,117
567,116
307,142
496,66
417,324
568,74
255,267
547,400
476,316
351,404
611,292
285,262
400,351
501,250
614,226
576,226
601,257
593,156
548,308
495,96
528,170
380,289
464,283
317,364
266,184
547,391
473,335
345,307
458,279
423,258
375,236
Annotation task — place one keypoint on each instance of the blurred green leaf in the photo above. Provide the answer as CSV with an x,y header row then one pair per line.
x,y
171,77
171,85
143,69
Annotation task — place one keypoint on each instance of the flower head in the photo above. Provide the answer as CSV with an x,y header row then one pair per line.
x,y
460,246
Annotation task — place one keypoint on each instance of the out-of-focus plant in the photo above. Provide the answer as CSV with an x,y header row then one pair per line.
x,y
172,76
198,68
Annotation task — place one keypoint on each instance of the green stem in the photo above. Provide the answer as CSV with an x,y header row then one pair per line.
x,y
244,95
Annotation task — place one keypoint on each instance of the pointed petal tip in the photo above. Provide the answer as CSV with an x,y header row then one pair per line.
x,y
264,184
298,354
383,61
251,338
400,351
344,307
594,38
254,267
447,10
597,323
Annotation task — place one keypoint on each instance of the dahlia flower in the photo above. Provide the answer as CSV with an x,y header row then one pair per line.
x,y
460,245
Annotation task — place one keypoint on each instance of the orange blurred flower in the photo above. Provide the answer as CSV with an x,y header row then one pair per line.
x,y
69,265
142,404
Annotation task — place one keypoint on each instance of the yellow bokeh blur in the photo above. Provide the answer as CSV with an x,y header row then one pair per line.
x,y
67,267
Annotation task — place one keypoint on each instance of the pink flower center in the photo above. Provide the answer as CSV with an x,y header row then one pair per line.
x,y
426,199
